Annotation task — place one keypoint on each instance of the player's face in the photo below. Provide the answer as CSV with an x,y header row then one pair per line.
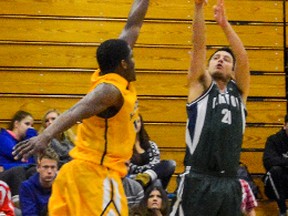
x,y
131,76
221,65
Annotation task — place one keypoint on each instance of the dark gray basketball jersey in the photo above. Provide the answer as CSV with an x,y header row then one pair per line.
x,y
214,131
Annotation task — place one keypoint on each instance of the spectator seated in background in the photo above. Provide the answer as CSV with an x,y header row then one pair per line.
x,y
275,160
243,173
16,175
133,191
36,191
20,129
145,165
249,202
6,205
63,142
155,201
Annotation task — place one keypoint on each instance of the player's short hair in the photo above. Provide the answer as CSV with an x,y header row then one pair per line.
x,y
110,53
225,49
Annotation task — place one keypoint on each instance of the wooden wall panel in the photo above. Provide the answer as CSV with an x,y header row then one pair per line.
x,y
172,186
173,110
166,135
271,85
155,58
255,137
152,32
77,82
264,111
252,159
263,11
164,109
45,82
171,136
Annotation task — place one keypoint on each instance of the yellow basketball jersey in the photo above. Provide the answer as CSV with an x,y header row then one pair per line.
x,y
109,142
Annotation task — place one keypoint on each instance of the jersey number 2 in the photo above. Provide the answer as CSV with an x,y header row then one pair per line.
x,y
227,118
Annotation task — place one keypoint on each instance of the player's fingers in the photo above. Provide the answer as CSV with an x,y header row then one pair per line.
x,y
25,156
19,147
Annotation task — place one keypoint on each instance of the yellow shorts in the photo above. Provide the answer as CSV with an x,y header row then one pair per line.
x,y
82,188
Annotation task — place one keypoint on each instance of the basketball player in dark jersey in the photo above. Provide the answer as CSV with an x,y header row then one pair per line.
x,y
216,122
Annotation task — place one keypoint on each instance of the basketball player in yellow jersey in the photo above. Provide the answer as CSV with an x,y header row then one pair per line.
x,y
91,183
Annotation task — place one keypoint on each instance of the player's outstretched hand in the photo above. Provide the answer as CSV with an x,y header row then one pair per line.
x,y
219,13
25,149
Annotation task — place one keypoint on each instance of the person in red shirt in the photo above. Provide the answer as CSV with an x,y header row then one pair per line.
x,y
6,205
249,202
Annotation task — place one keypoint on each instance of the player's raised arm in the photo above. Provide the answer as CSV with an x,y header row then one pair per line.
x,y
134,22
242,72
101,98
198,77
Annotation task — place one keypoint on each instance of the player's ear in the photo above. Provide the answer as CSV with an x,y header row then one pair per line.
x,y
124,64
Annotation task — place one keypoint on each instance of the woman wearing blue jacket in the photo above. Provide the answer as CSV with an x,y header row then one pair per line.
x,y
20,128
